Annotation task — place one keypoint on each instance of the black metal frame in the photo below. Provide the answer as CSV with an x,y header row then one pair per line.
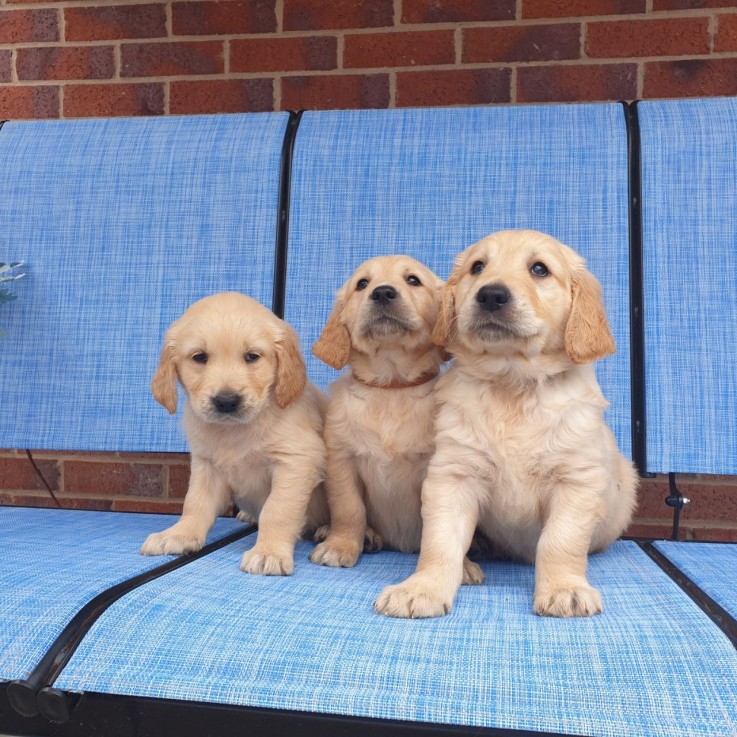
x,y
637,326
132,716
2,123
282,227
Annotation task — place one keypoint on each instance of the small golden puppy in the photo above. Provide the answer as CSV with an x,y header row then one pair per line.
x,y
522,449
254,426
379,424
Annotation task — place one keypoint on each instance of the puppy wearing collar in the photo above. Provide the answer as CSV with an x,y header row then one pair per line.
x,y
379,425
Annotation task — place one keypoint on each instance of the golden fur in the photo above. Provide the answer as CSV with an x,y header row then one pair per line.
x,y
254,427
522,449
379,425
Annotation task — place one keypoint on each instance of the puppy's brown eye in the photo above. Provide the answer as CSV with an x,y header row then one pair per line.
x,y
478,267
413,281
539,269
200,357
251,357
362,284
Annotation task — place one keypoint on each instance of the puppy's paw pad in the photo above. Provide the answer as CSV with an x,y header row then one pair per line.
x,y
410,602
267,564
335,554
572,601
164,543
472,573
372,541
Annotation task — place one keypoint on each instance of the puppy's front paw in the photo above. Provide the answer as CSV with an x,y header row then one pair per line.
x,y
166,543
336,553
267,563
411,601
568,601
472,573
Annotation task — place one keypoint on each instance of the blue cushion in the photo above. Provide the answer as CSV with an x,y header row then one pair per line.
x,y
311,642
52,562
122,224
428,183
689,206
711,566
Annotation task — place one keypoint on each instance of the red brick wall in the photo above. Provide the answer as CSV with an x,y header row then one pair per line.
x,y
74,58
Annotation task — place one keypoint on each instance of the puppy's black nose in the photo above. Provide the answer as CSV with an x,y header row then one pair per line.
x,y
383,294
493,297
226,403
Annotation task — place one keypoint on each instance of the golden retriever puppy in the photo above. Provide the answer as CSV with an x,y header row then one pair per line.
x,y
379,424
522,449
254,427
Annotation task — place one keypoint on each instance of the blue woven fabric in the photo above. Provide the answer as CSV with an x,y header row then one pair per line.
x,y
689,206
711,566
311,642
429,182
52,562
122,224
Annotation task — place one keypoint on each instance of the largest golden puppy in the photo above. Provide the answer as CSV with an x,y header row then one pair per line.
x,y
521,445
254,426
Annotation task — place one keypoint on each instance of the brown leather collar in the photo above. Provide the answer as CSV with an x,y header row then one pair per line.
x,y
423,379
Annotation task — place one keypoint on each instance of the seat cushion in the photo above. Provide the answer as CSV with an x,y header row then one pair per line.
x,y
52,562
312,642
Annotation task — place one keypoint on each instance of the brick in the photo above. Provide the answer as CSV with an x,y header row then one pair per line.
x,y
714,534
456,11
6,57
112,100
635,38
46,502
284,54
522,43
691,78
167,59
314,15
726,35
221,96
19,102
650,530
28,26
157,507
227,17
102,23
399,49
453,87
577,83
691,4
335,92
178,481
580,8
66,62
18,474
113,479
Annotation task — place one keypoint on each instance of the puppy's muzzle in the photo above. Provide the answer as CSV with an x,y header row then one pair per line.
x,y
227,403
384,295
493,297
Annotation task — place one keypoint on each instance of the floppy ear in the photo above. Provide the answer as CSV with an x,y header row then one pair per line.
x,y
333,347
444,332
164,382
291,374
587,336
